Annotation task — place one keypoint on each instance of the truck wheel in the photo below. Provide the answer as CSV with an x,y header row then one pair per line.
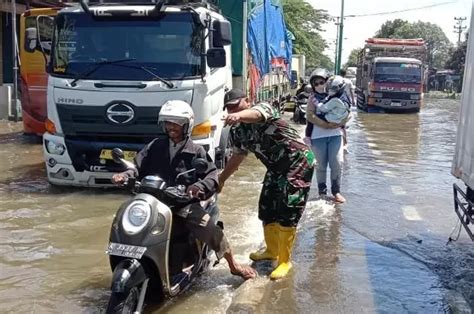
x,y
224,152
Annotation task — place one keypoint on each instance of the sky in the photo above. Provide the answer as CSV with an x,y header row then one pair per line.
x,y
358,29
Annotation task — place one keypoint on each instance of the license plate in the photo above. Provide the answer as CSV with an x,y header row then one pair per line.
x,y
125,250
107,154
396,104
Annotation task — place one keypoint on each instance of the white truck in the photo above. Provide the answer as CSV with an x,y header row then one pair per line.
x,y
463,163
112,67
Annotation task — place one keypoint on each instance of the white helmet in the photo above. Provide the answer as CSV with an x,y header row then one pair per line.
x,y
336,85
179,112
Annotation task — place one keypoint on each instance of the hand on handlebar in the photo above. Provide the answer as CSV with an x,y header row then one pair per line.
x,y
195,192
119,179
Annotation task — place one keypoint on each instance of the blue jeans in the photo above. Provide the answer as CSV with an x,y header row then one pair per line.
x,y
328,150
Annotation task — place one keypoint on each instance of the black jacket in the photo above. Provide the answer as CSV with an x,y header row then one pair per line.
x,y
154,159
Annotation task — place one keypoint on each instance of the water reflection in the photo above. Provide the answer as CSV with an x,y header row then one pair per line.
x,y
393,138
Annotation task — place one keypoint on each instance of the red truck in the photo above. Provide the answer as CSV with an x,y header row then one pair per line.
x,y
390,75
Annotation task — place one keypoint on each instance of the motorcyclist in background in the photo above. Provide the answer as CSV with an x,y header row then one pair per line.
x,y
303,83
305,93
167,157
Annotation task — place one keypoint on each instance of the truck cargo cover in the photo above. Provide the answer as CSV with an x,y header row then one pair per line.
x,y
463,163
268,38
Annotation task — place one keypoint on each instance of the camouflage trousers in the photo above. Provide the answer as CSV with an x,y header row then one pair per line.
x,y
283,196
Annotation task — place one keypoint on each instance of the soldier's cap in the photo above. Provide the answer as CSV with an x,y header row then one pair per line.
x,y
233,97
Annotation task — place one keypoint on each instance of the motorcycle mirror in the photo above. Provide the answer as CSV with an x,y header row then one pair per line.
x,y
200,164
117,155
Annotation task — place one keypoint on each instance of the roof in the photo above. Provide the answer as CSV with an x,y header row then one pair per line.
x,y
397,60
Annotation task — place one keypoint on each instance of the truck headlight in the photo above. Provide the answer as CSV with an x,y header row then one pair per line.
x,y
55,148
415,96
136,216
376,95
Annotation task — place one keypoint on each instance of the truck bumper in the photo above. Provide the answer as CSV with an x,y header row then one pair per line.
x,y
80,165
393,104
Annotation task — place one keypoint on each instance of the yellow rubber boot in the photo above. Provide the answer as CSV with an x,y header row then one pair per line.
x,y
270,232
286,240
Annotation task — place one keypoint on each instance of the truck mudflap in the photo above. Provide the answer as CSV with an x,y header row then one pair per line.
x,y
464,208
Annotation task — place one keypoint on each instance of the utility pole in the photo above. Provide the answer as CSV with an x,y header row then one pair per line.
x,y
335,47
459,28
15,63
340,39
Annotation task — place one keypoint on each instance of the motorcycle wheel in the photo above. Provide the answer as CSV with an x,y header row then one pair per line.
x,y
120,303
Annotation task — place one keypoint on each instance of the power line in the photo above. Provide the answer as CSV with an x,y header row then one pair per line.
x,y
404,10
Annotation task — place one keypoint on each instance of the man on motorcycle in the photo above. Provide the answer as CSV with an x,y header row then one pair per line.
x,y
169,157
289,162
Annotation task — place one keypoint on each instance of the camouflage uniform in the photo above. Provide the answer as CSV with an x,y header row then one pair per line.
x,y
289,164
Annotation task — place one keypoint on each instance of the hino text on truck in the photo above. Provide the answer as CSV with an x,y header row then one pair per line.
x,y
390,75
112,66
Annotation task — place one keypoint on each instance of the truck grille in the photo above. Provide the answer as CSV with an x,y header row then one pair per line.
x,y
90,122
397,95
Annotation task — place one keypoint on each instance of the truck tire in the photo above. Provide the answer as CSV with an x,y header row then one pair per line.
x,y
224,151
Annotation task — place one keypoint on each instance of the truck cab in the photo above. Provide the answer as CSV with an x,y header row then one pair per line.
x,y
395,83
112,68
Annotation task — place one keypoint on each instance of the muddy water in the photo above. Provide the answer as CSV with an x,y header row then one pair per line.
x,y
383,251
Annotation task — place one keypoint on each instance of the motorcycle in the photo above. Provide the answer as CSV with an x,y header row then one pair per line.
x,y
150,249
299,115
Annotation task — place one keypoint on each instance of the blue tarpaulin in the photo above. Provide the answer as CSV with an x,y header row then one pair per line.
x,y
267,36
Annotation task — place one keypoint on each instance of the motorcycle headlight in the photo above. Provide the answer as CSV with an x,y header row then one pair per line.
x,y
136,216
55,148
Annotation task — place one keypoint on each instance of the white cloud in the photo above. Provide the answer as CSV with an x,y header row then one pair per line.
x,y
358,29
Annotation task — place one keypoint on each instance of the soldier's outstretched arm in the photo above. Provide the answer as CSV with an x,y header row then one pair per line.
x,y
231,167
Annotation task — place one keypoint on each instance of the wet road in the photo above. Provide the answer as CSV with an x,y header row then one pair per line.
x,y
383,251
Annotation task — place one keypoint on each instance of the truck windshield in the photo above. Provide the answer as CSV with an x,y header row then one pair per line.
x,y
171,46
397,72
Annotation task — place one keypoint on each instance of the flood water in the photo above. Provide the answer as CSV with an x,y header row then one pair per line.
x,y
383,251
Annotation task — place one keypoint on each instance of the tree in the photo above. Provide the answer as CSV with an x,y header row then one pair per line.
x,y
457,59
305,22
388,29
438,44
352,60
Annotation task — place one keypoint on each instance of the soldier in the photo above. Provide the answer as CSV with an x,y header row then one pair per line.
x,y
289,162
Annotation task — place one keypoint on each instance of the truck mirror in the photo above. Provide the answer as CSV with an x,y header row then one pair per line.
x,y
216,57
31,39
222,33
44,26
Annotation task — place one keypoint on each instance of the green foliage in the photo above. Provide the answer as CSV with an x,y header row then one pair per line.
x,y
388,29
352,60
457,59
438,44
305,22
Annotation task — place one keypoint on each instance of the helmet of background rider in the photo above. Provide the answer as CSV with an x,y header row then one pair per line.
x,y
335,85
